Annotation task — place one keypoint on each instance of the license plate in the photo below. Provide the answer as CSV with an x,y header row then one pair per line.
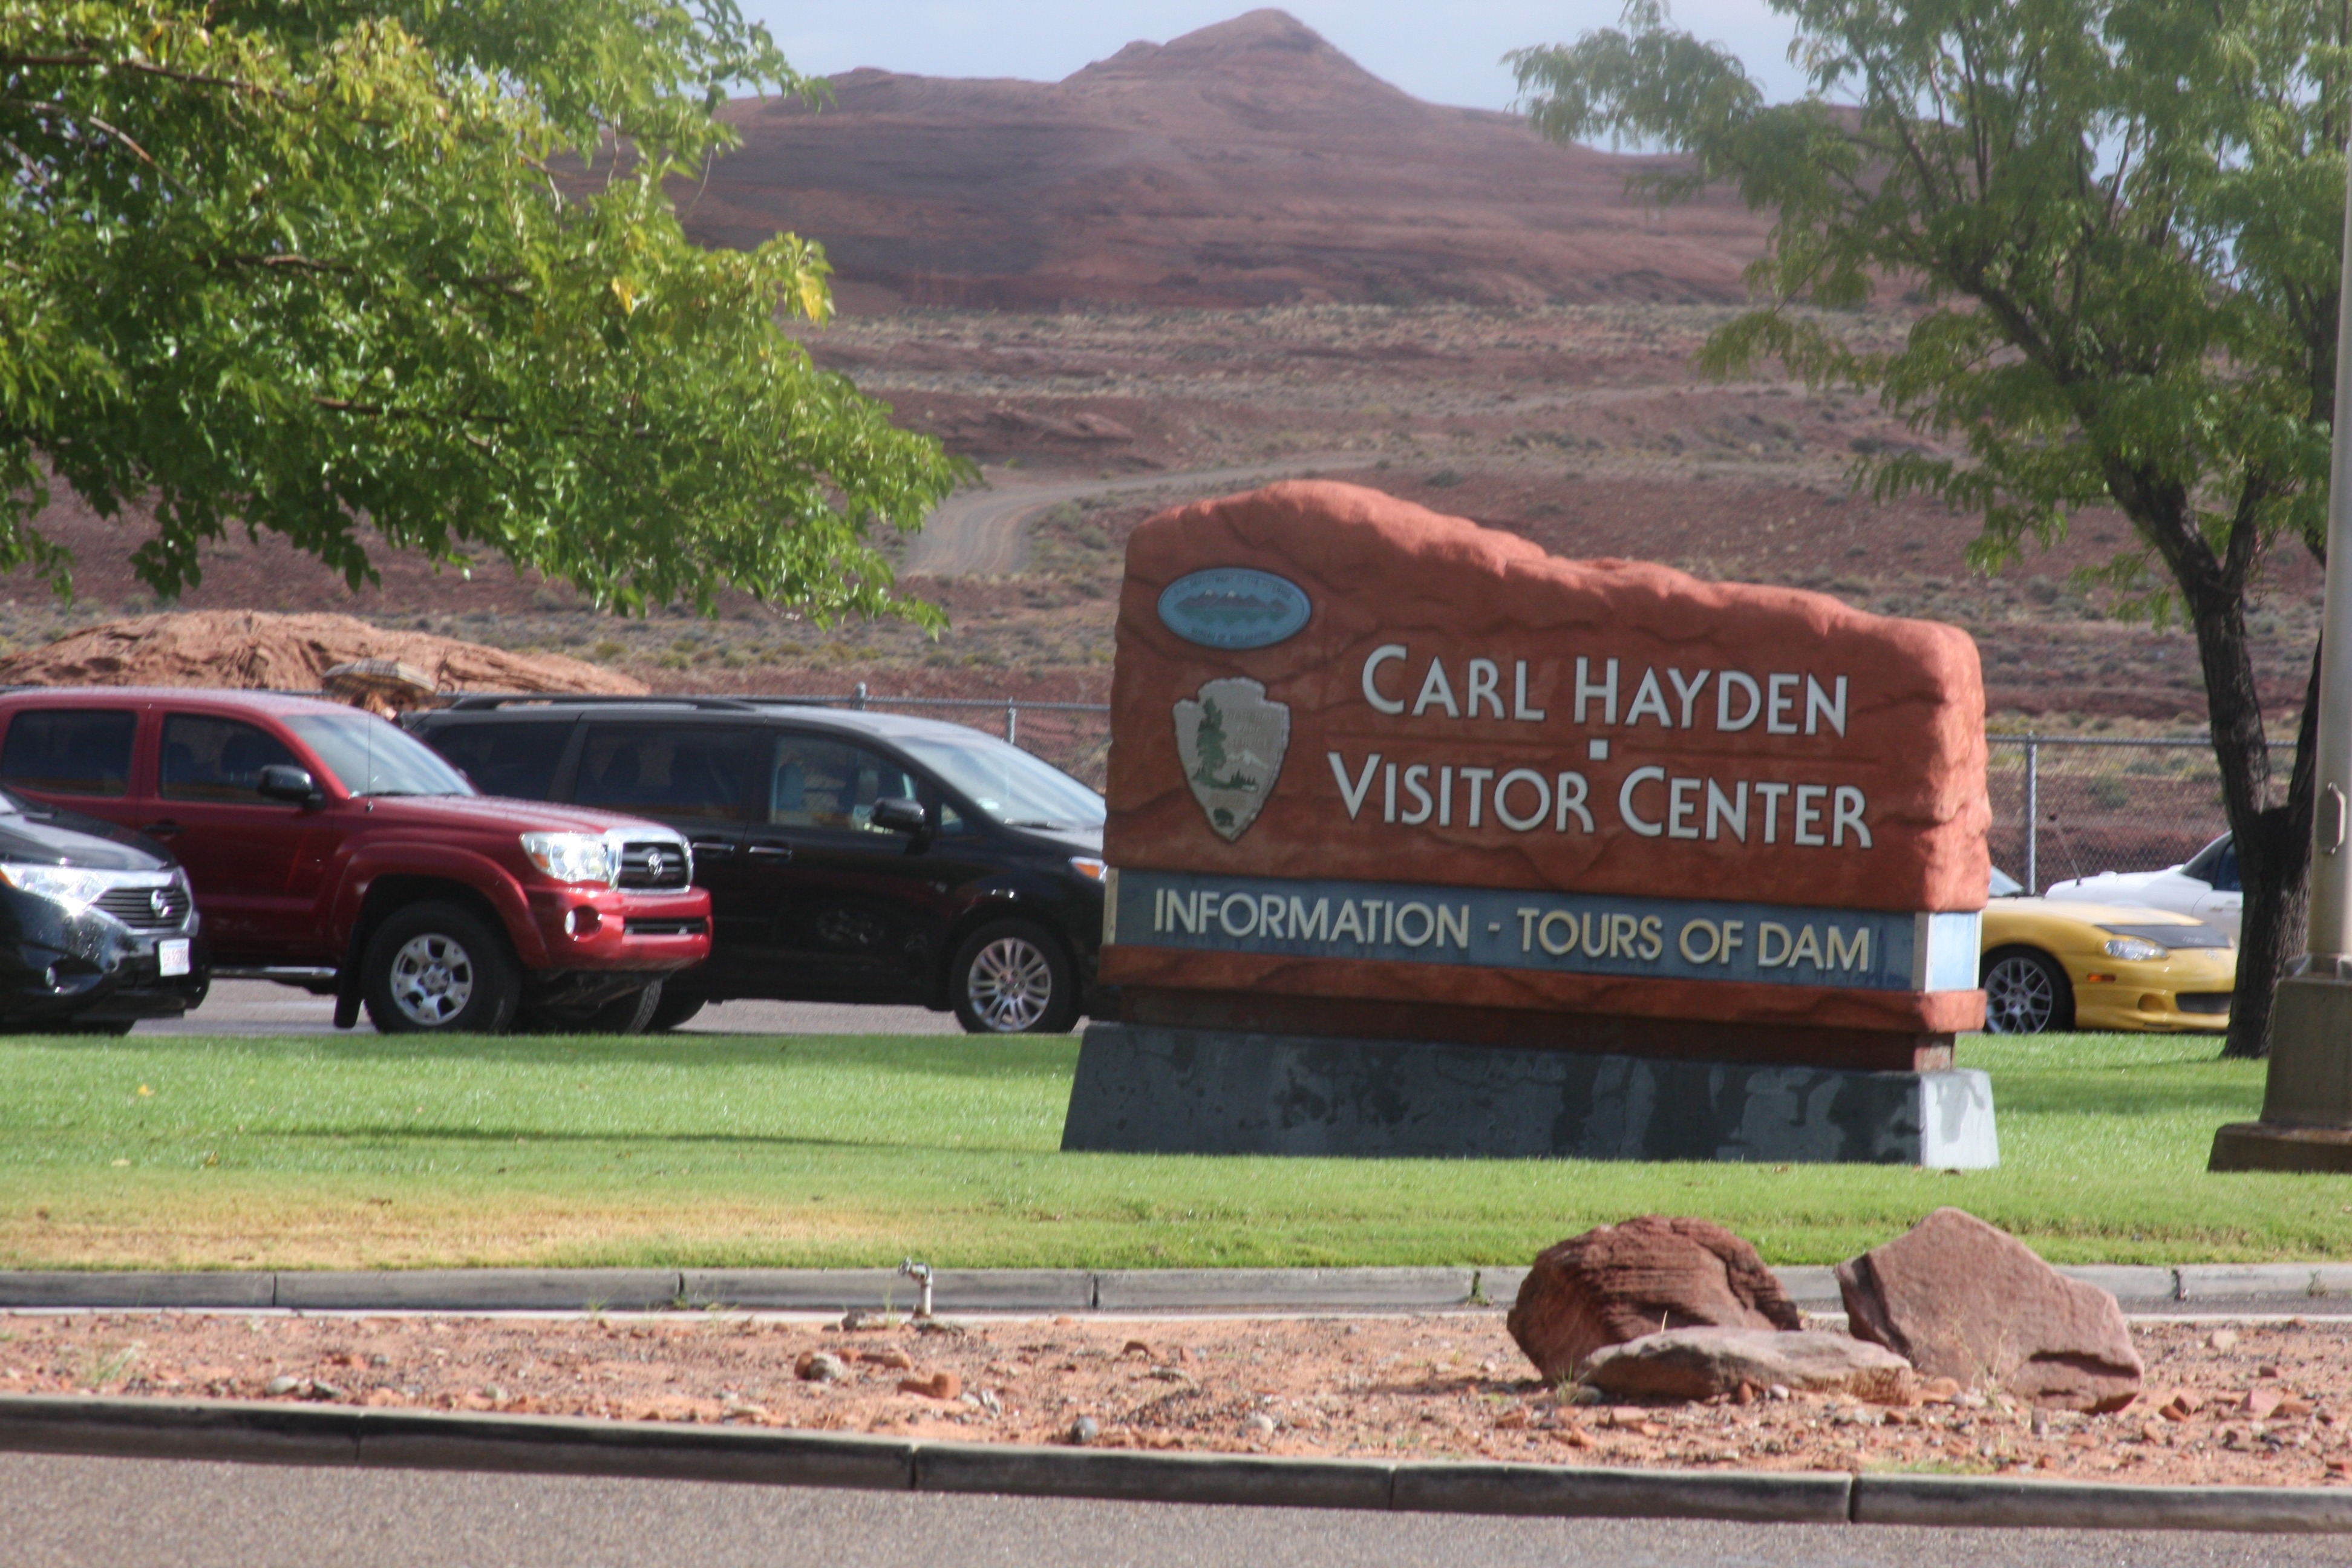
x,y
172,957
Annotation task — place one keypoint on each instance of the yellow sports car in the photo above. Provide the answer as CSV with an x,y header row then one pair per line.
x,y
2051,965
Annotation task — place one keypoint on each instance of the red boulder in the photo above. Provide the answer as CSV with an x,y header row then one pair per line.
x,y
1619,1282
1961,1298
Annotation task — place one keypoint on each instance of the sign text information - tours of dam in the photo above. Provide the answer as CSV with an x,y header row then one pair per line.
x,y
1426,842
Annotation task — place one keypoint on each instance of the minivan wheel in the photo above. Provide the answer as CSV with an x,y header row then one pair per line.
x,y
1012,978
2025,992
676,1008
628,1014
438,969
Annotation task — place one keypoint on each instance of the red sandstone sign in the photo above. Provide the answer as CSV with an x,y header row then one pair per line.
x,y
1364,752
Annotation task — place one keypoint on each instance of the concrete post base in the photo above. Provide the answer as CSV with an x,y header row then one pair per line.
x,y
2259,1146
1145,1089
2306,1121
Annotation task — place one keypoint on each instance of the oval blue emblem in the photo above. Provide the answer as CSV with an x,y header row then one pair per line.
x,y
1233,608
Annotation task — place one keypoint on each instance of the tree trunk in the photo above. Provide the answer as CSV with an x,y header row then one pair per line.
x,y
2274,845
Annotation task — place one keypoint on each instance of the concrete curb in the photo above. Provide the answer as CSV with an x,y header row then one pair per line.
x,y
343,1436
1960,1502
2318,1287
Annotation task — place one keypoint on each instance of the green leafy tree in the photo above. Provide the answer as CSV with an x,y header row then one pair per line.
x,y
2124,221
295,265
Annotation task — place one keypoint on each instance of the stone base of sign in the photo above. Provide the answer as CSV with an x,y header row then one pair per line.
x,y
2306,1121
1271,1012
1143,1088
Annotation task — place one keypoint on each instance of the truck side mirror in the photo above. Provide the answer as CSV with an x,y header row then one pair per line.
x,y
896,814
282,781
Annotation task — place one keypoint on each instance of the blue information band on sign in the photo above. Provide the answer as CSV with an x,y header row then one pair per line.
x,y
1567,933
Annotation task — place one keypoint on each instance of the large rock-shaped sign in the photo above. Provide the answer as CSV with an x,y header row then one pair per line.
x,y
1367,757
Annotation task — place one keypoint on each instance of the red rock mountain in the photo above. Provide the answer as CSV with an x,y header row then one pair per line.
x,y
1246,163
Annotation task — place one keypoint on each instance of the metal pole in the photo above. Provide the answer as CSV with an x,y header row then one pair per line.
x,y
2331,868
2033,815
1012,725
861,697
2306,1121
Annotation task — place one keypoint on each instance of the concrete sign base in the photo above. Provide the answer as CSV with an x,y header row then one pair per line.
x,y
1150,1089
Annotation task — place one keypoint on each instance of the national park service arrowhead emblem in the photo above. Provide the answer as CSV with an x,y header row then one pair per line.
x,y
1231,740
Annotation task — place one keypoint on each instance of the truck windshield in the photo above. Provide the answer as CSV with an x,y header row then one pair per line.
x,y
368,756
1012,787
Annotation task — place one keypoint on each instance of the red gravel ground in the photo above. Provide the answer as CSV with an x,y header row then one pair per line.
x,y
2267,1403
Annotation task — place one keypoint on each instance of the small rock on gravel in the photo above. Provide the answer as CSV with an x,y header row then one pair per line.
x,y
1083,1430
1964,1299
820,1366
286,1384
1260,1425
1700,1363
1619,1282
939,1386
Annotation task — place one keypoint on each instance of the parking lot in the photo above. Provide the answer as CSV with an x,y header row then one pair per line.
x,y
262,1007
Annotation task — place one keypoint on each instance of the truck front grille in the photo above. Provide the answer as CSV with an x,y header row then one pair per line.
x,y
656,864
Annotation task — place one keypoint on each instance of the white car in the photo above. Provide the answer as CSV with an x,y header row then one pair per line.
x,y
2205,885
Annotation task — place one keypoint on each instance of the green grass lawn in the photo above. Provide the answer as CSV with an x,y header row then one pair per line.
x,y
174,1152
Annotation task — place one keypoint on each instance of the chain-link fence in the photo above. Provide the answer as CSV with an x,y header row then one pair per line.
x,y
1073,736
2063,805
2066,807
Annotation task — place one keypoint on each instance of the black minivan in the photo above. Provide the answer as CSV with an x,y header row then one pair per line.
x,y
98,928
850,856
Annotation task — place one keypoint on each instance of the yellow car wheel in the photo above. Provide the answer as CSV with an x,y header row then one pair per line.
x,y
2025,992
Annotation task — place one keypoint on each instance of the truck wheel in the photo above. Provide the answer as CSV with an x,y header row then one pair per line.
x,y
675,1008
438,969
1012,978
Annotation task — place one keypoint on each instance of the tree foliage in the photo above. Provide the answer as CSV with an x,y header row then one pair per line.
x,y
2122,223
286,265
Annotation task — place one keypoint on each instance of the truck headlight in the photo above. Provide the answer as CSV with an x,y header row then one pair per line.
x,y
2134,951
572,856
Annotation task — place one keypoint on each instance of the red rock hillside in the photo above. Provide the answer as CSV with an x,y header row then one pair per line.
x,y
245,648
1246,163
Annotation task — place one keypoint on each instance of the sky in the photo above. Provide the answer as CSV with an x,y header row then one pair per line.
x,y
1447,52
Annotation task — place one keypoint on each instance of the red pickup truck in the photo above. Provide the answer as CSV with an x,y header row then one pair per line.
x,y
332,850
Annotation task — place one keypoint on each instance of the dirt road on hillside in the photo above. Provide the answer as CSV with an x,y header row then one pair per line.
x,y
979,532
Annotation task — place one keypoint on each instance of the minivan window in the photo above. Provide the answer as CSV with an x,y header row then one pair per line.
x,y
662,772
368,755
70,751
1012,786
829,784
518,759
217,759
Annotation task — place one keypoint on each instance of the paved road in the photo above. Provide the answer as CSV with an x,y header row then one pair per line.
x,y
259,1007
978,532
56,1512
